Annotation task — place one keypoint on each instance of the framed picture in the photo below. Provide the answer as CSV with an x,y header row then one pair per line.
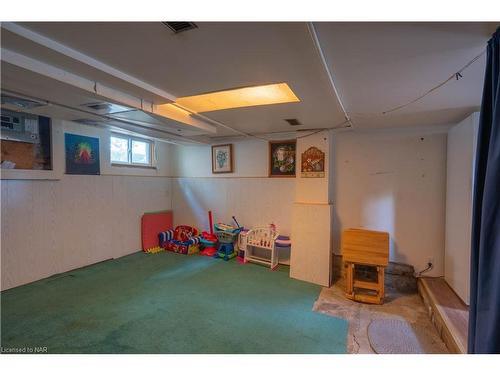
x,y
282,158
82,154
222,158
313,163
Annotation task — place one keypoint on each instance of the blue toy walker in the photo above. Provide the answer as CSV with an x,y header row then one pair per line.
x,y
227,236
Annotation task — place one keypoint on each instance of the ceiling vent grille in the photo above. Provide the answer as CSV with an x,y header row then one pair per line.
x,y
293,121
178,27
106,108
98,106
21,102
85,121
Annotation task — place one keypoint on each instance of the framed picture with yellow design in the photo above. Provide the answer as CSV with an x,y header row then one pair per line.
x,y
282,158
222,158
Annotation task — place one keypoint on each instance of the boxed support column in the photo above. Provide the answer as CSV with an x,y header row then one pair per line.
x,y
311,255
311,258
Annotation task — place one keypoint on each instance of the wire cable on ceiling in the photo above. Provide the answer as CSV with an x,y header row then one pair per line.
x,y
319,50
308,135
339,126
218,123
312,132
245,134
455,76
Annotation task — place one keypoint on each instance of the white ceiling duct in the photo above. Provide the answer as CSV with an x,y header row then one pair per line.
x,y
168,111
20,102
76,55
89,117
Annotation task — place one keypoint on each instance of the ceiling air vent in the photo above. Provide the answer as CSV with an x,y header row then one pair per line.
x,y
85,121
22,103
98,106
106,108
293,121
178,27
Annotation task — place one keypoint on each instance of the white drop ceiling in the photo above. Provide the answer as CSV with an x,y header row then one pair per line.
x,y
376,66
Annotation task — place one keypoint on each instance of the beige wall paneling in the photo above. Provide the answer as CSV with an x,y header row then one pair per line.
x,y
250,157
312,217
52,226
247,193
393,181
254,201
311,256
16,259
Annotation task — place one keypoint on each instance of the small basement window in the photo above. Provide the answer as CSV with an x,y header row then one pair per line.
x,y
132,151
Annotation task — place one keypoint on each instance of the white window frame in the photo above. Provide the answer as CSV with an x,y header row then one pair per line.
x,y
130,163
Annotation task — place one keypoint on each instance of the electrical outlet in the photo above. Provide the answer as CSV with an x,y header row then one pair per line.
x,y
430,260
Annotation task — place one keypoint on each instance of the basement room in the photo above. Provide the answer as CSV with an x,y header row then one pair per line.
x,y
227,186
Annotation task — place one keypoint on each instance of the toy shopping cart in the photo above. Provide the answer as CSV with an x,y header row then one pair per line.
x,y
227,237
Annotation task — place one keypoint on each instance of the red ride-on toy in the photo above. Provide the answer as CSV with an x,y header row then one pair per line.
x,y
209,243
209,239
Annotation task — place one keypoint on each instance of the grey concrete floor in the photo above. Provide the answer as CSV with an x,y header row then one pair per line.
x,y
407,307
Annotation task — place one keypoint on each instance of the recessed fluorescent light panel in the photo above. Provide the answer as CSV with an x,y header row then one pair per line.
x,y
237,98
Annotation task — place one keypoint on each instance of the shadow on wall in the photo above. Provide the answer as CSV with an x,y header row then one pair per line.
x,y
377,212
395,182
254,201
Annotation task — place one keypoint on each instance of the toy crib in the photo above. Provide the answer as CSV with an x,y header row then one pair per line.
x,y
242,243
264,239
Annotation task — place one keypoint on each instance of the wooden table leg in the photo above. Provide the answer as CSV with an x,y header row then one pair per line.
x,y
380,279
349,279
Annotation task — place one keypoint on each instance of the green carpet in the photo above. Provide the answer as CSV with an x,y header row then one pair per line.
x,y
170,303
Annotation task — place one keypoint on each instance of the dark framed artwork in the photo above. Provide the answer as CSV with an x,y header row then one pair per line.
x,y
222,158
282,158
82,154
312,163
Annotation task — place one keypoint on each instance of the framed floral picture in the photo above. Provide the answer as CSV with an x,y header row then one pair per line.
x,y
282,158
222,158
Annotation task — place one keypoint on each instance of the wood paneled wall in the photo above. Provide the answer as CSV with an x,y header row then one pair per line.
x,y
50,227
254,201
393,181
